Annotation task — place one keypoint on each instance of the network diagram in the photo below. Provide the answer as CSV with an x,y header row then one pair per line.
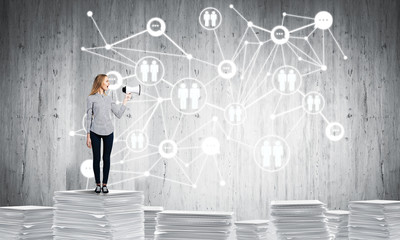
x,y
188,96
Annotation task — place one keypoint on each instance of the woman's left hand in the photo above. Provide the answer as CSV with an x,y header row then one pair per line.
x,y
127,98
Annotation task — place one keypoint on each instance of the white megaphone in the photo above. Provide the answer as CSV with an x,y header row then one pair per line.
x,y
136,90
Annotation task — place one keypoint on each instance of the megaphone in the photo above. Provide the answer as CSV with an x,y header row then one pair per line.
x,y
136,90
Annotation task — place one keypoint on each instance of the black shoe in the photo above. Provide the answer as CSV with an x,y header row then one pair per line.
x,y
104,189
97,189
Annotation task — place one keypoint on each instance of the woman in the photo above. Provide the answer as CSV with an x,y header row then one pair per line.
x,y
99,126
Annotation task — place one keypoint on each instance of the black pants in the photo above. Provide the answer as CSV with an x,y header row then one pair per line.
x,y
107,147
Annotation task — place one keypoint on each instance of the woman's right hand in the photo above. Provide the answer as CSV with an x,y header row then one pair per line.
x,y
88,141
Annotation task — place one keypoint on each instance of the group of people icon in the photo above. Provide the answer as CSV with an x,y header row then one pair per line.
x,y
152,69
210,20
272,154
137,141
314,103
184,94
235,114
287,81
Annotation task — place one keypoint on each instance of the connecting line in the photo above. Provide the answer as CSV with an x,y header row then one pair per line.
x,y
319,60
153,52
317,65
111,59
323,116
230,86
98,29
283,56
315,61
336,42
189,148
221,128
255,34
130,37
151,116
193,160
297,16
148,95
234,9
244,56
238,53
170,180
318,70
283,19
87,183
251,64
95,48
240,42
162,114
119,171
323,47
212,80
154,164
311,32
142,101
184,172
244,144
121,150
125,180
176,45
218,169
219,45
258,99
192,133
177,126
136,158
252,89
165,81
215,106
303,27
277,104
288,111
137,120
130,60
130,76
249,74
201,170
262,29
189,68
295,125
202,61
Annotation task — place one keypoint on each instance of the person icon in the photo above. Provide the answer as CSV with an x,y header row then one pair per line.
x,y
310,103
144,69
277,152
232,114
282,80
140,140
238,112
206,18
266,152
214,18
195,95
183,94
317,103
154,69
134,140
291,78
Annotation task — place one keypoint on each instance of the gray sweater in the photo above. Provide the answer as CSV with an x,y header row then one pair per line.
x,y
99,108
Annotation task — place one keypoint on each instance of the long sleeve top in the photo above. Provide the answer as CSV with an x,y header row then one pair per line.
x,y
98,118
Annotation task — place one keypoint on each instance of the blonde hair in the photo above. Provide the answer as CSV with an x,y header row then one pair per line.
x,y
98,80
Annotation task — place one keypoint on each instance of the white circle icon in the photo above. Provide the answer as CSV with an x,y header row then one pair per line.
x,y
149,71
280,35
116,78
323,20
211,146
235,114
137,141
313,103
334,131
87,168
271,153
188,96
168,148
287,80
227,69
210,18
156,27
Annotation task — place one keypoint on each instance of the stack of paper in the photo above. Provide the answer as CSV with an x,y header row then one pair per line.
x,y
84,214
337,224
299,220
150,222
26,222
252,229
374,219
193,225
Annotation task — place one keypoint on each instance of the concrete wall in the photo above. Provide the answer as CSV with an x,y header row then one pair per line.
x,y
46,79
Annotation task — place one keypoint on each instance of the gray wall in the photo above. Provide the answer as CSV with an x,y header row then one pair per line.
x,y
46,79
